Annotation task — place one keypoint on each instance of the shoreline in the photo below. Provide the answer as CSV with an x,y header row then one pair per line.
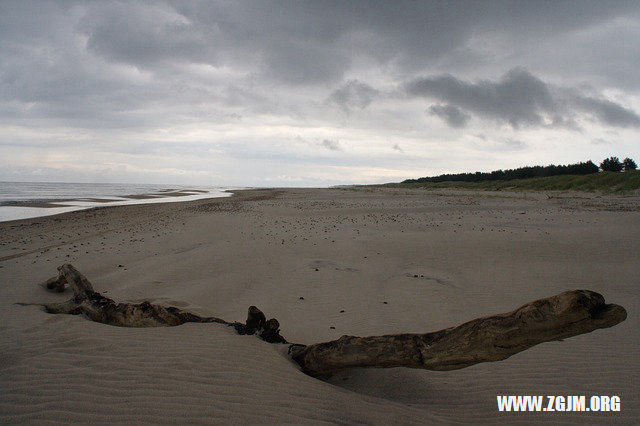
x,y
18,209
364,261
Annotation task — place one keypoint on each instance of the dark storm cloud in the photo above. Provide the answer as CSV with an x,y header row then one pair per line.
x,y
452,115
519,99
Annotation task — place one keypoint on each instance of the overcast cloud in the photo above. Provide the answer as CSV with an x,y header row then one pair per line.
x,y
519,99
312,92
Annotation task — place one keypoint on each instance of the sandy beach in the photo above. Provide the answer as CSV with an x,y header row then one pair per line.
x,y
324,262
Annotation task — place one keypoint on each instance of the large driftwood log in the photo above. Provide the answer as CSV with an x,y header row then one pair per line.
x,y
486,339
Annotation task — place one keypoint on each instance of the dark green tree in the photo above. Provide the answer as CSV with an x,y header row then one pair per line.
x,y
611,164
629,164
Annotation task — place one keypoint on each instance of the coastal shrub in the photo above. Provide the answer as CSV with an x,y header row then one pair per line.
x,y
611,164
582,168
629,164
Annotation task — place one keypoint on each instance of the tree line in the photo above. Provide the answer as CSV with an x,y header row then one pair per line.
x,y
611,164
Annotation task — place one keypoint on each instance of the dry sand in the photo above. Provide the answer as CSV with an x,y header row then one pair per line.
x,y
436,258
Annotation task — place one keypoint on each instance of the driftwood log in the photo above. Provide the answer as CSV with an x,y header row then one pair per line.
x,y
486,339
96,307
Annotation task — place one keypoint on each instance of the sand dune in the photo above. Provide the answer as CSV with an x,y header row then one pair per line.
x,y
325,263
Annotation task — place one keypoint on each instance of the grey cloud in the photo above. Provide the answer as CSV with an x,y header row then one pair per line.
x,y
331,145
297,65
514,144
144,34
108,71
269,40
519,99
454,116
294,43
501,145
603,53
353,95
64,67
601,141
607,112
311,42
397,147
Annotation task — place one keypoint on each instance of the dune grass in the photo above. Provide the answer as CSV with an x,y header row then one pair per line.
x,y
603,182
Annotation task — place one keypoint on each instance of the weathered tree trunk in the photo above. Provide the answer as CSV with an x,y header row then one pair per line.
x,y
101,309
487,339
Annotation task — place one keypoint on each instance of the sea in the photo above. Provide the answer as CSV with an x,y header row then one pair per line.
x,y
23,200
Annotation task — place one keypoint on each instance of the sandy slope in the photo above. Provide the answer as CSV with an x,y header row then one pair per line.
x,y
436,258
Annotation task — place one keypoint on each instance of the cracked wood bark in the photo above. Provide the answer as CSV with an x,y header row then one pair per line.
x,y
486,339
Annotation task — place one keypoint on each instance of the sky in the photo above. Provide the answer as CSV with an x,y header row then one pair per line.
x,y
312,93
